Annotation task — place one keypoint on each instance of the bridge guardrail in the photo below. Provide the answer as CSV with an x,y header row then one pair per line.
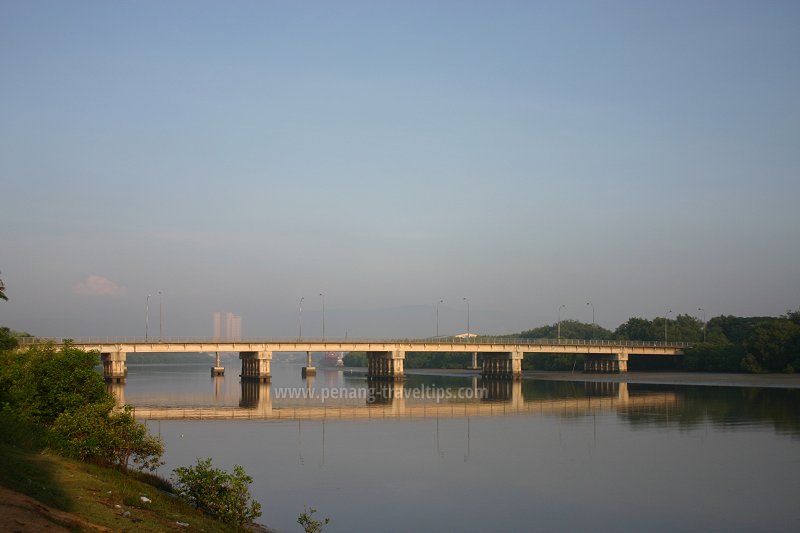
x,y
26,341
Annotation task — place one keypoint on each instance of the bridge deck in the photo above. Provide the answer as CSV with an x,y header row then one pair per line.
x,y
449,344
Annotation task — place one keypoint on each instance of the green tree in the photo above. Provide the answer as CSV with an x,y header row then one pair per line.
x,y
309,523
218,493
40,383
355,359
772,346
99,433
570,329
639,329
8,341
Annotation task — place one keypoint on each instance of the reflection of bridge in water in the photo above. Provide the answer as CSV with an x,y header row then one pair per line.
x,y
262,401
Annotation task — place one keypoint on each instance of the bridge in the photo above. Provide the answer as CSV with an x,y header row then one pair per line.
x,y
501,356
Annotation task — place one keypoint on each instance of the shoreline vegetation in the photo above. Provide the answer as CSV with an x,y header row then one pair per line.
x,y
72,461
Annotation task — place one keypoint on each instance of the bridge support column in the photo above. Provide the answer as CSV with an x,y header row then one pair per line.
x,y
502,365
614,363
217,369
255,366
114,370
309,369
386,365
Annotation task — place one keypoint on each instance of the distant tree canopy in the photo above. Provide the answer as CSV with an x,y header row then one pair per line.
x,y
570,329
3,291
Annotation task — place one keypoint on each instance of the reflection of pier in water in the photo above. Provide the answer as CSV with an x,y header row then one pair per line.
x,y
391,400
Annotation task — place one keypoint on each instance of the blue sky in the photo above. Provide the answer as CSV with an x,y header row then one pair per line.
x,y
239,155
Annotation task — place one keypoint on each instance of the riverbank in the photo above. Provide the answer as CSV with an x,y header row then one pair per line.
x,y
41,491
788,381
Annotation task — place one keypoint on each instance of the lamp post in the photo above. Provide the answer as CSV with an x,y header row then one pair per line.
x,y
665,324
160,318
300,320
590,303
704,322
437,316
467,300
147,317
559,320
323,316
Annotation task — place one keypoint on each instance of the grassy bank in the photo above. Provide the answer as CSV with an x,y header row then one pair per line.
x,y
98,497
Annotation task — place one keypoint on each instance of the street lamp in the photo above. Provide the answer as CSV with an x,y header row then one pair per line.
x,y
704,322
147,317
559,320
665,324
300,320
437,316
323,316
160,319
590,303
467,300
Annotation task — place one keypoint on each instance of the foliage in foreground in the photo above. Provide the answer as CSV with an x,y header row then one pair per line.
x,y
42,382
220,494
59,391
309,523
98,433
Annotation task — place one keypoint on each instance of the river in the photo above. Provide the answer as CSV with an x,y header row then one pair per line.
x,y
537,455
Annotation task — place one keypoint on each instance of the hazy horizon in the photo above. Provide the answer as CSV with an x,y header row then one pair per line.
x,y
524,155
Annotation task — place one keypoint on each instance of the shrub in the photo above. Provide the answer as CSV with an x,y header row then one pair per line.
x,y
96,432
218,493
309,523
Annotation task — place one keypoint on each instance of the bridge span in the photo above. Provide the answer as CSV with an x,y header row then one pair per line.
x,y
501,357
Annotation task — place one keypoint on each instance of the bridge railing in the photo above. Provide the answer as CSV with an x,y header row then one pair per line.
x,y
328,340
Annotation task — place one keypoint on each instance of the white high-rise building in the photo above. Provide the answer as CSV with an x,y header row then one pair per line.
x,y
217,325
227,326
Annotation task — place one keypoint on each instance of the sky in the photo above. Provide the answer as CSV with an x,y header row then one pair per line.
x,y
237,156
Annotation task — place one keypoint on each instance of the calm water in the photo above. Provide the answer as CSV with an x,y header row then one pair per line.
x,y
553,456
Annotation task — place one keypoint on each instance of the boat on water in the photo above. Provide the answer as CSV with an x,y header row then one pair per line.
x,y
332,359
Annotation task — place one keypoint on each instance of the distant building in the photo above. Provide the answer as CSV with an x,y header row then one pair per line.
x,y
466,335
227,326
217,325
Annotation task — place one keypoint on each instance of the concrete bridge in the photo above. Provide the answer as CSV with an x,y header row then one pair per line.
x,y
501,356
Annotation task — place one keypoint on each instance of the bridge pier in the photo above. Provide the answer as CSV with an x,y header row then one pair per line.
x,y
614,363
114,370
217,369
255,366
309,369
386,365
502,365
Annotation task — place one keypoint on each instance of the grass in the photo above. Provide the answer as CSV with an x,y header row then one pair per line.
x,y
99,495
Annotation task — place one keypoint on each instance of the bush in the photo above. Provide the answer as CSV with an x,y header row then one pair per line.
x,y
218,493
43,382
309,523
96,432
